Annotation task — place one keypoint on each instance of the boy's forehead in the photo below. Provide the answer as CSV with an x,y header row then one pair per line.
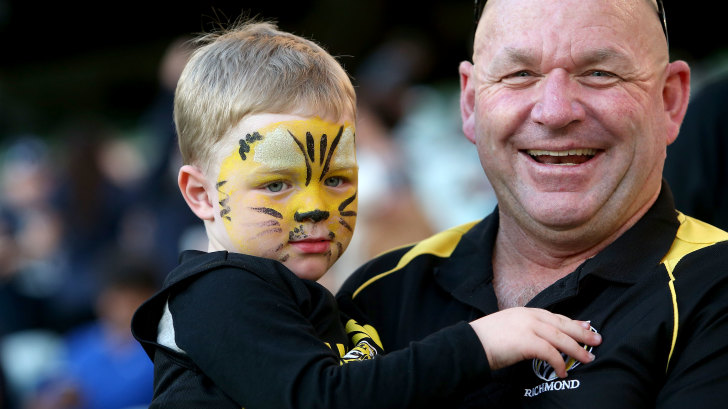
x,y
280,141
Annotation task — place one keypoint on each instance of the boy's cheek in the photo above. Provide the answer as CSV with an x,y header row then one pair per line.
x,y
344,216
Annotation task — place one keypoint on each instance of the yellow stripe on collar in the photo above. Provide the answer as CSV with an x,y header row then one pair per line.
x,y
441,245
692,235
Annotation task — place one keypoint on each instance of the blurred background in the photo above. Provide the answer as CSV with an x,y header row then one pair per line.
x,y
90,216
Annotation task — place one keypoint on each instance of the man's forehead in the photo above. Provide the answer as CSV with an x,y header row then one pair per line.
x,y
527,21
503,10
481,5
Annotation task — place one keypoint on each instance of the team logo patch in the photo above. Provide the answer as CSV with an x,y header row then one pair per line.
x,y
546,372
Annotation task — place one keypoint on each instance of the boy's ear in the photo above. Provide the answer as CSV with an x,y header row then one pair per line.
x,y
193,185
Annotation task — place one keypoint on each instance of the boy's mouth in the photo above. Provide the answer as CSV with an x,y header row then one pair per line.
x,y
312,245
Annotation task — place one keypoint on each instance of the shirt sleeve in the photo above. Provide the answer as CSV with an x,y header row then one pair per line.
x,y
251,339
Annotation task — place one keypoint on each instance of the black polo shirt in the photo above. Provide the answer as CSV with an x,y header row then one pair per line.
x,y
658,295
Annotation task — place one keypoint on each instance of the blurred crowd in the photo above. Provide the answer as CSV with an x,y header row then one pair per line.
x,y
91,221
89,225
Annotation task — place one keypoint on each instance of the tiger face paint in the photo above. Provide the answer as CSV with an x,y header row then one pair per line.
x,y
287,190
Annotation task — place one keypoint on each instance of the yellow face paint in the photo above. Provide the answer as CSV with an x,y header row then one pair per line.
x,y
287,191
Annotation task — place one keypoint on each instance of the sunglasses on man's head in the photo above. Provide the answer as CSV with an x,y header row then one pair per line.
x,y
480,4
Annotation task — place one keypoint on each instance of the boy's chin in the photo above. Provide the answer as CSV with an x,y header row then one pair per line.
x,y
308,268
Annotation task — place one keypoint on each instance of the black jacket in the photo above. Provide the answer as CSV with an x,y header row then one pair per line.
x,y
250,333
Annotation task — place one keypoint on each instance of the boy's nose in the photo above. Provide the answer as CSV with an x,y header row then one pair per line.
x,y
314,215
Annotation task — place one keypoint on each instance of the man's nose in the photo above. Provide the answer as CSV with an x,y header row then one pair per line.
x,y
313,215
557,105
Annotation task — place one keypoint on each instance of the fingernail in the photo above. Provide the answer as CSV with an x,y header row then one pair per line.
x,y
591,357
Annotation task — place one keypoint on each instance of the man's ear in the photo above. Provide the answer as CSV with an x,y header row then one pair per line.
x,y
467,100
675,97
193,185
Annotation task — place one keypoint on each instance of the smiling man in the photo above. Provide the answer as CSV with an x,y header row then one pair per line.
x,y
571,105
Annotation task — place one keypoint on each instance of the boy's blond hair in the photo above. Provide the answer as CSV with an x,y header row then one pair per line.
x,y
251,68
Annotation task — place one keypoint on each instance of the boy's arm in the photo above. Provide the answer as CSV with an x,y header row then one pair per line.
x,y
254,343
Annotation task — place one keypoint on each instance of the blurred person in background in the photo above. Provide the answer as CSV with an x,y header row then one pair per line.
x,y
162,211
422,118
102,366
93,197
30,235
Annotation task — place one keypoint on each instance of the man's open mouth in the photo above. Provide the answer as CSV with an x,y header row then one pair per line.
x,y
569,157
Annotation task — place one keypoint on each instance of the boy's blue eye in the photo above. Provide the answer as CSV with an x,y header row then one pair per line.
x,y
275,186
333,181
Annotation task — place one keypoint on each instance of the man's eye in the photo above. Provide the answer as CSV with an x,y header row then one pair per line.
x,y
275,186
522,77
333,181
519,75
601,74
600,78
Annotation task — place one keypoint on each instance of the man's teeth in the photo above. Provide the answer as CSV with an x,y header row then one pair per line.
x,y
571,152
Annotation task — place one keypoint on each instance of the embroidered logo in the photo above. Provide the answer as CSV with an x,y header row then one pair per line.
x,y
546,372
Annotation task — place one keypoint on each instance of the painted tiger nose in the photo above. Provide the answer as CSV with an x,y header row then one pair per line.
x,y
314,215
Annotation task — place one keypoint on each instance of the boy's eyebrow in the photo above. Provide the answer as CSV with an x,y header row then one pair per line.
x,y
282,169
343,168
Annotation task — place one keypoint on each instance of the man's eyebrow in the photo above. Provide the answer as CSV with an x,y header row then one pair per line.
x,y
511,56
601,55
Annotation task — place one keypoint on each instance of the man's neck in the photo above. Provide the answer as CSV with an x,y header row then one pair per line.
x,y
525,264
522,268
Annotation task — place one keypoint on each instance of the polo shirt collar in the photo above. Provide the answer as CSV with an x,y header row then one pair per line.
x,y
640,248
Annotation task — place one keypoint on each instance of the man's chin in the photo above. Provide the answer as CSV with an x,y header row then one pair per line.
x,y
558,217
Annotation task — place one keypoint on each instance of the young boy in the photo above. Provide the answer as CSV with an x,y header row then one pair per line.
x,y
266,128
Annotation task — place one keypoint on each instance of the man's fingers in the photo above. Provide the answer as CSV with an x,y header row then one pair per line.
x,y
581,332
578,330
546,352
568,343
